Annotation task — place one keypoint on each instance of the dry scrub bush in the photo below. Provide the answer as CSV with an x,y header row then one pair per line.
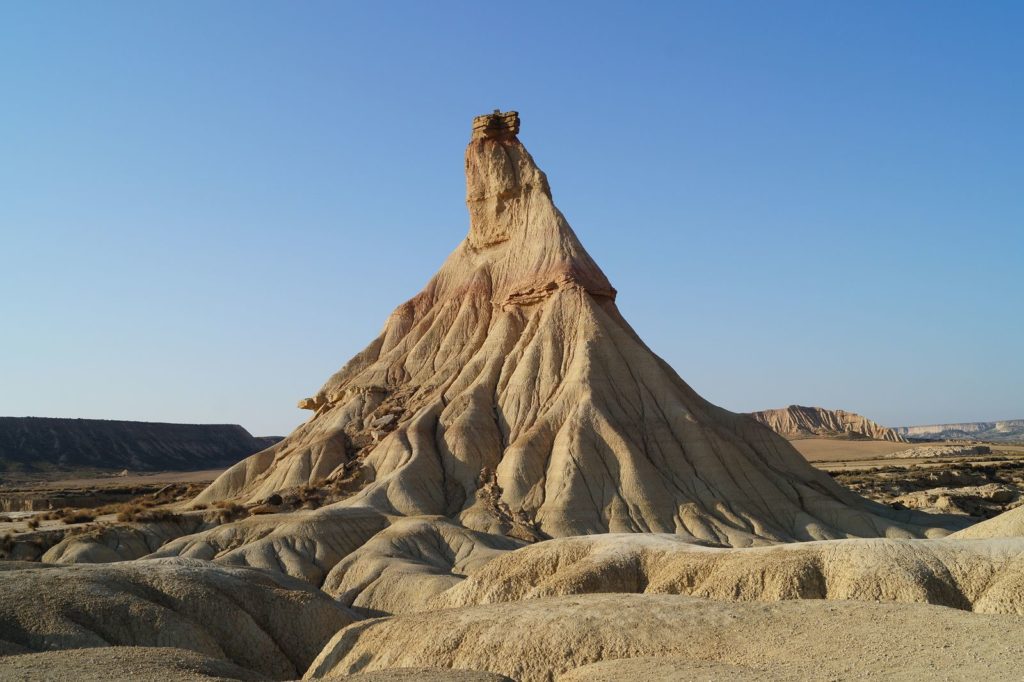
x,y
229,511
129,512
80,516
156,515
141,514
55,514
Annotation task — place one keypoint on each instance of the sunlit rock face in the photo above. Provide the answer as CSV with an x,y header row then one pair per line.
x,y
512,397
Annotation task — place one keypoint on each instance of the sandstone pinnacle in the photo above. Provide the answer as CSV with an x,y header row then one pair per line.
x,y
518,401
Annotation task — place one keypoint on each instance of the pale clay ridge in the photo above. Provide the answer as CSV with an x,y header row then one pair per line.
x,y
1009,524
986,577
164,664
515,360
539,639
401,568
797,421
135,663
430,564
264,622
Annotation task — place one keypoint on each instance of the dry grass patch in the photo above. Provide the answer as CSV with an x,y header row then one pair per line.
x,y
79,516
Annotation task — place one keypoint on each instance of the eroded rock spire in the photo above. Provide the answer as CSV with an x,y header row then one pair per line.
x,y
496,126
514,360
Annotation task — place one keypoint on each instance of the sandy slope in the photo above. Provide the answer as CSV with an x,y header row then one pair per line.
x,y
261,621
536,640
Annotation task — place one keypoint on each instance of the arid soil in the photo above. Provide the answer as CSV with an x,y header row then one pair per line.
x,y
979,480
869,452
981,489
35,493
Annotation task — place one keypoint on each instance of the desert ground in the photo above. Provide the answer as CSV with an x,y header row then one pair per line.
x,y
836,450
508,484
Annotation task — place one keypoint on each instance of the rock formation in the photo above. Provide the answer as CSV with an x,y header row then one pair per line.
x,y
1009,524
511,396
135,663
41,443
939,451
1008,431
262,621
539,639
972,576
797,421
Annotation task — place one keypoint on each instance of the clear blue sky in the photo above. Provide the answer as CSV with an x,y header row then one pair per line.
x,y
208,207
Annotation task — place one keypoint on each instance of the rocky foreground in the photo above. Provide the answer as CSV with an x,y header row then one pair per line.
x,y
507,484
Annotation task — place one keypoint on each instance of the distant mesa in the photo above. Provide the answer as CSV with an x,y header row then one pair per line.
x,y
797,421
52,444
1007,431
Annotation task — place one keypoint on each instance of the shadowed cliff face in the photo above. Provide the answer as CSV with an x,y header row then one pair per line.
x,y
37,443
511,391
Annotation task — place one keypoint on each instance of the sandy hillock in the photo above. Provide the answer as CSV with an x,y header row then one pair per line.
x,y
980,576
261,621
424,675
797,421
668,669
135,663
538,639
405,565
511,396
1009,524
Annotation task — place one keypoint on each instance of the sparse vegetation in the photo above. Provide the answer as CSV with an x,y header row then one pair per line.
x,y
311,496
157,515
129,512
79,516
55,514
142,513
229,511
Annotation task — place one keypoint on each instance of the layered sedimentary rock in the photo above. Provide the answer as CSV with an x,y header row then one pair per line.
x,y
33,443
1007,431
511,396
797,421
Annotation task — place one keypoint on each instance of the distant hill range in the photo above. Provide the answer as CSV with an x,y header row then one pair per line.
x,y
797,421
46,444
1008,431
